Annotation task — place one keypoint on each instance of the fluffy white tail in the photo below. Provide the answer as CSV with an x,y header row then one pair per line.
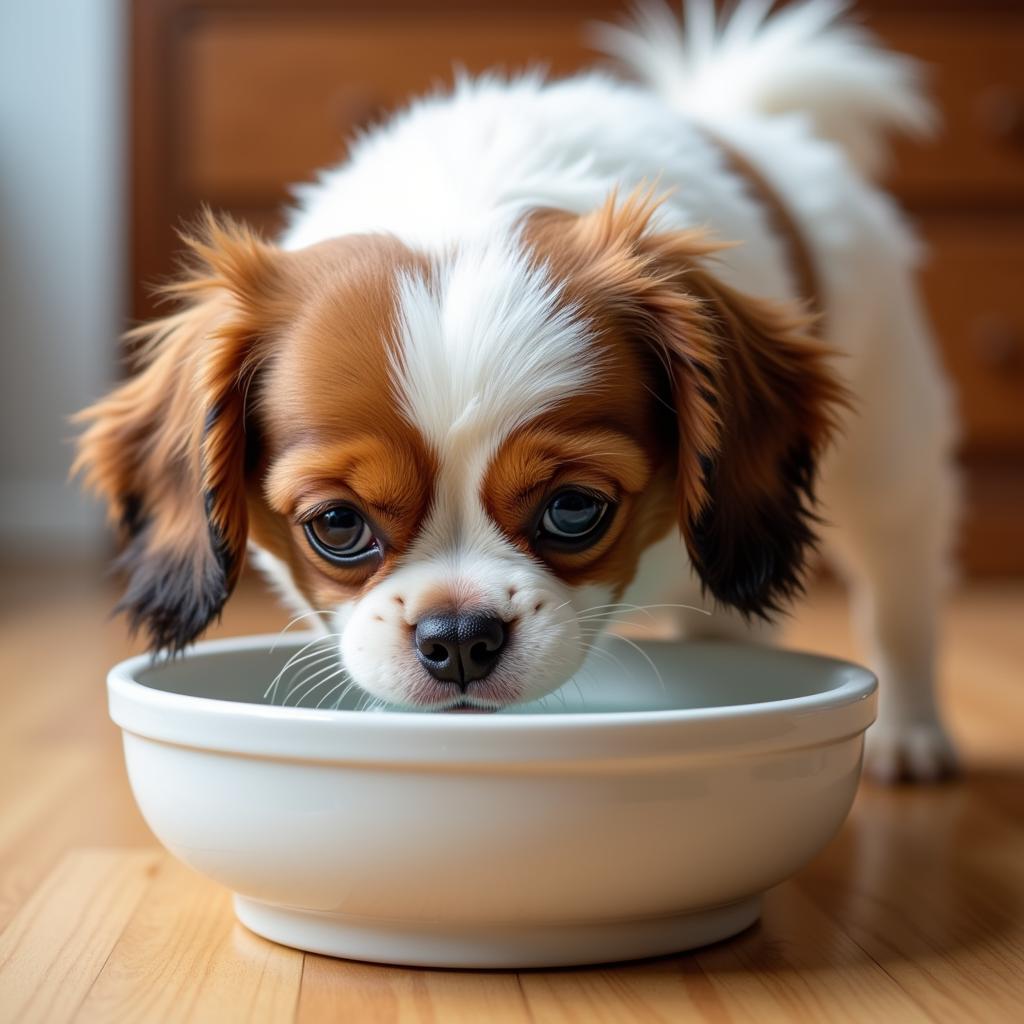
x,y
803,58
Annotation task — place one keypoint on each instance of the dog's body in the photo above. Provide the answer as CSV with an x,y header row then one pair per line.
x,y
512,291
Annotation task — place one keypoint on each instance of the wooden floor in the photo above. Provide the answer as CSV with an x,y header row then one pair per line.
x,y
915,912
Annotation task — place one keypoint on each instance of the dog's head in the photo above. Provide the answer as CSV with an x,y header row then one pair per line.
x,y
455,456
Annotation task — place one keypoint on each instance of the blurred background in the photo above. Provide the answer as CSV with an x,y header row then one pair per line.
x,y
119,118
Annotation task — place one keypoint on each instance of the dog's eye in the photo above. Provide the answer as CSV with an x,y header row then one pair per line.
x,y
341,534
573,516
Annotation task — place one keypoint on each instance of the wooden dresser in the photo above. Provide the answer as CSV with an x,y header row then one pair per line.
x,y
233,100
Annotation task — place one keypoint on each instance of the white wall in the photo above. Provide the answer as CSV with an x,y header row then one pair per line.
x,y
62,243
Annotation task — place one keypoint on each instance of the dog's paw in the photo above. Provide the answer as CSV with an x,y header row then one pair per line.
x,y
909,752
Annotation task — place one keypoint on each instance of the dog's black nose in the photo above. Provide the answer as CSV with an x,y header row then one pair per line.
x,y
459,648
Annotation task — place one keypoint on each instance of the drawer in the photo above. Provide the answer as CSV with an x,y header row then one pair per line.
x,y
272,98
974,286
976,78
268,98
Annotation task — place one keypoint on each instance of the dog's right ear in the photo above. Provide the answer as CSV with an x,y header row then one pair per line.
x,y
167,450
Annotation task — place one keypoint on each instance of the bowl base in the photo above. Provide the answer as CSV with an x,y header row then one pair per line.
x,y
501,946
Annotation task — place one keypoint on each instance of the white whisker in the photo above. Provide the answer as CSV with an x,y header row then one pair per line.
x,y
333,667
643,654
345,682
645,608
295,659
298,618
648,628
296,655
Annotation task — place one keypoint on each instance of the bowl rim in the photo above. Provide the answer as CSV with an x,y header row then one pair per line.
x,y
633,737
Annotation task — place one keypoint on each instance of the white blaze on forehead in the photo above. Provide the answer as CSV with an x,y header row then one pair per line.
x,y
486,346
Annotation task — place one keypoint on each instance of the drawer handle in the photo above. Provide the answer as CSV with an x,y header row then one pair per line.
x,y
999,344
1002,115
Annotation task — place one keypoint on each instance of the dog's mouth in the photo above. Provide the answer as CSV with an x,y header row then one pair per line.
x,y
480,698
469,709
467,705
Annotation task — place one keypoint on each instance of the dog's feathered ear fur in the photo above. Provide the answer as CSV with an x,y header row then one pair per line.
x,y
167,450
754,399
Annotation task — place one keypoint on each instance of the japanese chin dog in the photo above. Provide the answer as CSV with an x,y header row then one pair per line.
x,y
539,353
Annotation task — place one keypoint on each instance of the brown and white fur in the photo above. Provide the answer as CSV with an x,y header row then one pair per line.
x,y
489,304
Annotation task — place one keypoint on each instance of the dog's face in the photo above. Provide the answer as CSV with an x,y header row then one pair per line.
x,y
458,459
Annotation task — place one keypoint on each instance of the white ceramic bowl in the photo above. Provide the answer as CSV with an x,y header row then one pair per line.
x,y
573,833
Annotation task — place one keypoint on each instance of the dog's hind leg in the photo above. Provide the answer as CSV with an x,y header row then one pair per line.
x,y
890,488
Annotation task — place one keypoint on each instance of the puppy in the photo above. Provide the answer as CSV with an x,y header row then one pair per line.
x,y
542,352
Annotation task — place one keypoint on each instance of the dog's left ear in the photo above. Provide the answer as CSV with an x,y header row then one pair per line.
x,y
747,503
754,400
168,449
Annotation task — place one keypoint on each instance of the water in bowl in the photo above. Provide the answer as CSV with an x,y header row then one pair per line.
x,y
623,676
